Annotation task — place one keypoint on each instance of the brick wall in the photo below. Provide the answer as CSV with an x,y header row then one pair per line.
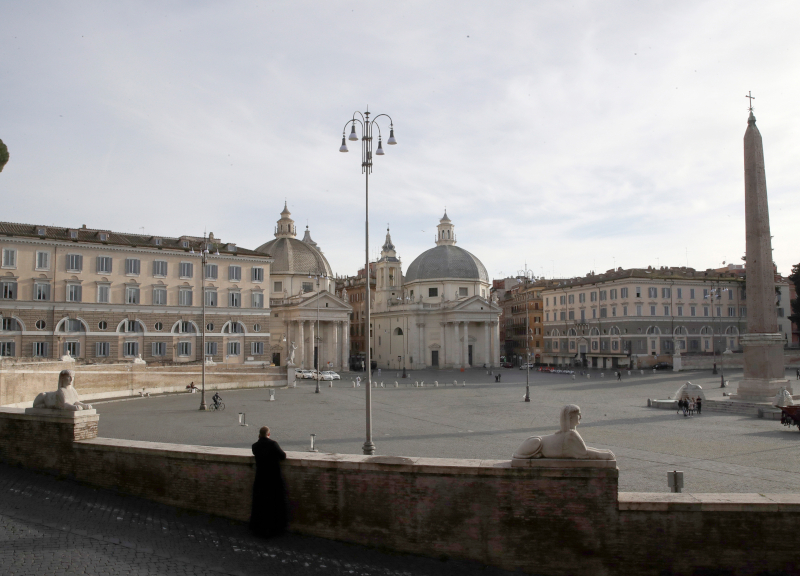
x,y
556,517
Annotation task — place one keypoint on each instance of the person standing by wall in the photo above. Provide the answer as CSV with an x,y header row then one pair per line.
x,y
269,514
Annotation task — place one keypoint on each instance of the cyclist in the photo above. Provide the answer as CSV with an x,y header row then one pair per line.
x,y
216,399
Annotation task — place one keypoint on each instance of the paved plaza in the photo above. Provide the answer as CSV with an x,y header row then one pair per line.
x,y
718,452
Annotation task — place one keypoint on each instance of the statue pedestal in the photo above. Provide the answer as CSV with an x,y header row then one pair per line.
x,y
677,363
55,413
764,373
290,376
561,463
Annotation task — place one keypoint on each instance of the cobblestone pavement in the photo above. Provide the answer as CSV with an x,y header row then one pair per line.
x,y
485,419
54,527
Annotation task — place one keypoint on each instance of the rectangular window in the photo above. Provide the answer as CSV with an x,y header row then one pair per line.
x,y
571,299
211,297
235,273
638,291
691,293
581,298
234,299
103,264
615,345
6,348
730,293
131,294
743,311
308,286
572,315
277,286
693,310
652,310
705,310
256,348
132,266
462,292
186,269
432,292
9,325
593,296
102,349
130,349
638,309
624,310
603,295
185,297
258,299
184,349
562,300
211,272
74,293
652,292
563,315
732,311
680,310
666,310
74,262
613,310
43,260
257,274
159,348
211,348
613,294
623,292
40,349
72,348
594,312
583,314
160,268
705,292
159,296
9,258
680,293
187,327
603,312
234,348
547,316
665,292
103,293
41,291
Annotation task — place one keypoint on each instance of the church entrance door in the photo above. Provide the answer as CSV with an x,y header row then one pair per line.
x,y
435,358
276,358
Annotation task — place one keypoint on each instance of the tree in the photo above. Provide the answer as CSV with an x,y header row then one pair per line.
x,y
3,155
794,278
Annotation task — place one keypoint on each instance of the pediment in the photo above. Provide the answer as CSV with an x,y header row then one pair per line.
x,y
327,301
478,305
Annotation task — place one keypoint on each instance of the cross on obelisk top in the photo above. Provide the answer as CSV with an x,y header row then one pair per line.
x,y
750,95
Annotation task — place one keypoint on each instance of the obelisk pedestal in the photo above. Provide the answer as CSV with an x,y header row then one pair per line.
x,y
764,371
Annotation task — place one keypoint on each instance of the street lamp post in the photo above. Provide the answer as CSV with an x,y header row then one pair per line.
x,y
367,125
715,293
203,260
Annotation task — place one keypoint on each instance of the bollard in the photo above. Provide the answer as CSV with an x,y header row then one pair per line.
x,y
675,480
330,384
642,371
422,384
242,419
312,449
436,383
573,376
588,376
654,370
464,383
455,382
416,384
629,372
382,384
602,375
272,395
396,385
354,383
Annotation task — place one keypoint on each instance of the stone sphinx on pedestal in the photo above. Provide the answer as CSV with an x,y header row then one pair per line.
x,y
63,400
566,443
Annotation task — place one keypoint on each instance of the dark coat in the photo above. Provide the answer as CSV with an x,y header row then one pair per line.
x,y
269,515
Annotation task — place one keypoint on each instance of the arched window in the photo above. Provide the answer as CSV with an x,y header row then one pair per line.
x,y
614,331
573,332
732,331
233,328
681,331
555,332
71,325
398,331
706,331
594,332
653,330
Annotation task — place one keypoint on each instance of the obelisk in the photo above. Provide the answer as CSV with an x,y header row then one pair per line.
x,y
764,371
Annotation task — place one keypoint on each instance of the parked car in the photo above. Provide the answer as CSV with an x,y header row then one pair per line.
x,y
507,365
330,375
662,366
303,374
526,366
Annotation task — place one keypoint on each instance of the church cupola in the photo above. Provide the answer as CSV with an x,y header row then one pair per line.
x,y
285,227
446,234
307,239
388,248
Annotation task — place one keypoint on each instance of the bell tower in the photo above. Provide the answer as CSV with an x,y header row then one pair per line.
x,y
445,232
389,277
285,227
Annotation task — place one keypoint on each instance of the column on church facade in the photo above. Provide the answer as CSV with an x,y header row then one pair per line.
x,y
311,344
466,345
443,359
421,345
496,336
346,346
300,353
486,344
456,351
333,330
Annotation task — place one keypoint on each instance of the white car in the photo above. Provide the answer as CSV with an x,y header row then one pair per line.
x,y
304,374
330,375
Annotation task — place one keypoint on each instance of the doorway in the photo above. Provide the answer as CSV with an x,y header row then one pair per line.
x,y
470,355
276,358
435,358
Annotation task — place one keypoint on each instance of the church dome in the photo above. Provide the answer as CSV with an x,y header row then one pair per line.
x,y
293,256
446,261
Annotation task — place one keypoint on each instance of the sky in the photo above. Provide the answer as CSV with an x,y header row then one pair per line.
x,y
561,137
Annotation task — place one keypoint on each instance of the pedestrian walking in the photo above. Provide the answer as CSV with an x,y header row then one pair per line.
x,y
798,374
699,405
269,513
619,376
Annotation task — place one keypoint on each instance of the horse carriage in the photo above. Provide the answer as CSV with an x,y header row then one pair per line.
x,y
790,416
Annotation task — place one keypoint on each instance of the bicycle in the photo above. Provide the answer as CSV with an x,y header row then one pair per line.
x,y
219,407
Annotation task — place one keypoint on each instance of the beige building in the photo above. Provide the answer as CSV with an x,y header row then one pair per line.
x,y
615,319
306,312
101,296
439,315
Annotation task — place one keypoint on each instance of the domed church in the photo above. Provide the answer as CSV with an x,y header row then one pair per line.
x,y
304,305
439,315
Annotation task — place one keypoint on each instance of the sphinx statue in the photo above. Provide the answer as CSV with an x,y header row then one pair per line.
x,y
783,398
690,390
65,398
566,443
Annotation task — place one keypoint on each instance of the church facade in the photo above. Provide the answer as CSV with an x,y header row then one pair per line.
x,y
439,314
307,316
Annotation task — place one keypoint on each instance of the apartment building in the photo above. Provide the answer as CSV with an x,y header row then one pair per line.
x,y
609,320
100,296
